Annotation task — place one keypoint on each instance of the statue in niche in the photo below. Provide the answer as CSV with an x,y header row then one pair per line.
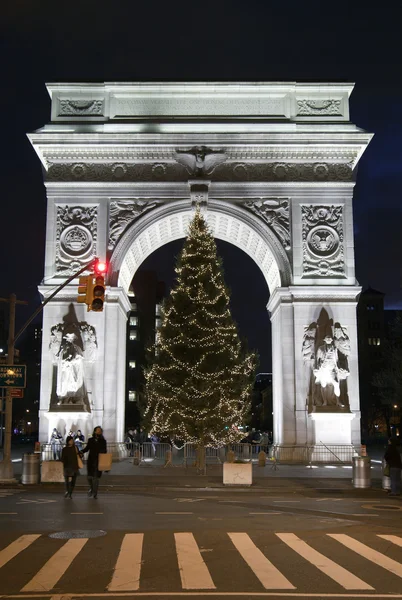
x,y
72,345
326,348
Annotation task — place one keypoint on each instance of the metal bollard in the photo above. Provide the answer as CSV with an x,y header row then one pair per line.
x,y
361,472
30,469
262,459
137,458
386,480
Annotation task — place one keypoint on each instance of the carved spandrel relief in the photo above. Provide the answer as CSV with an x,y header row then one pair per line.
x,y
326,348
322,241
275,213
327,108
76,233
71,107
73,347
123,213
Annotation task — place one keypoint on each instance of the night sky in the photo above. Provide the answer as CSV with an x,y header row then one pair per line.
x,y
261,40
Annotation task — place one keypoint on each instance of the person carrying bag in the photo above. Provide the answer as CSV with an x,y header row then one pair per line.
x,y
97,449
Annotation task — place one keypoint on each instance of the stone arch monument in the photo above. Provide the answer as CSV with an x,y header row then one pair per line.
x,y
272,166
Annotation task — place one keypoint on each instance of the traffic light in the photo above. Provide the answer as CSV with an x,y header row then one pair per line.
x,y
85,288
99,288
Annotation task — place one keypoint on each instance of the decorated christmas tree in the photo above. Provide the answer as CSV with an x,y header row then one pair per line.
x,y
199,381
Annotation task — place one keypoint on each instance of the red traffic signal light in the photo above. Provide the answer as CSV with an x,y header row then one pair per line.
x,y
100,268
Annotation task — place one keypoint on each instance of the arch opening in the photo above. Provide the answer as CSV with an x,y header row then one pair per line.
x,y
227,222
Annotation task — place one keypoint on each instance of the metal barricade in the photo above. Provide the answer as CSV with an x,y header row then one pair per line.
x,y
30,469
154,452
241,451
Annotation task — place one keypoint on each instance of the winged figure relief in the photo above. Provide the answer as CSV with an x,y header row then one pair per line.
x,y
200,160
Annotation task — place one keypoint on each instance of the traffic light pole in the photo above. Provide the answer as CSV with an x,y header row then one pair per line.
x,y
6,465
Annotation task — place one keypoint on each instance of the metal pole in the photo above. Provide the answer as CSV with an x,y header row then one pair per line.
x,y
6,466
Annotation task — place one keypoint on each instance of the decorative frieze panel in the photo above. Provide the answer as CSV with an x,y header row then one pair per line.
x,y
275,213
81,108
320,107
122,213
322,241
229,171
76,234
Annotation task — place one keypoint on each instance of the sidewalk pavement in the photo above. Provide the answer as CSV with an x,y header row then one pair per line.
x,y
124,476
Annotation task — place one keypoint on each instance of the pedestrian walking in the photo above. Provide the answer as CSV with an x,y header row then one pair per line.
x,y
96,445
393,459
56,440
79,440
69,458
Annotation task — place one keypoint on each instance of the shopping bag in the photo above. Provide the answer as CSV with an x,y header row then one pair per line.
x,y
79,459
386,471
104,462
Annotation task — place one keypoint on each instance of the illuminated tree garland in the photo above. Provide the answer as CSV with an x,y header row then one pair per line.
x,y
199,383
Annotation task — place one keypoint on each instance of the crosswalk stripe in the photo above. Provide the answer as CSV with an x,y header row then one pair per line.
x,y
376,557
270,577
346,579
16,547
392,538
56,566
126,575
193,570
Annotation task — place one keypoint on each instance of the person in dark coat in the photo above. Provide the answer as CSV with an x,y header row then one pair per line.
x,y
96,445
393,460
70,463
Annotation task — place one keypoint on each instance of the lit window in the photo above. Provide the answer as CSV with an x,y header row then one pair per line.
x,y
369,341
378,342
131,364
133,334
132,396
158,322
158,309
134,321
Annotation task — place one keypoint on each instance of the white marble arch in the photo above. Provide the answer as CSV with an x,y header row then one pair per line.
x,y
112,142
227,222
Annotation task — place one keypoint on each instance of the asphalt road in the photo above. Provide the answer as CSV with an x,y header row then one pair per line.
x,y
171,543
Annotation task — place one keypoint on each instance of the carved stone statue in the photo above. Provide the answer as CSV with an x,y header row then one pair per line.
x,y
72,345
275,212
200,160
325,350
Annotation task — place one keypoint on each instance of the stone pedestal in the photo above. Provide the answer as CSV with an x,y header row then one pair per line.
x,y
331,428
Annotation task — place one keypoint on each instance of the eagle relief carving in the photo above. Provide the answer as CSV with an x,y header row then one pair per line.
x,y
322,241
200,160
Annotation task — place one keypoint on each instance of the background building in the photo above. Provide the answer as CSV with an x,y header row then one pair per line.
x,y
146,297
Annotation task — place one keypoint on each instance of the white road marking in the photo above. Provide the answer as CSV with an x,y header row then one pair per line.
x,y
266,513
270,577
56,566
332,499
193,570
190,499
286,501
126,575
86,513
16,547
38,501
361,514
376,557
174,513
346,579
392,538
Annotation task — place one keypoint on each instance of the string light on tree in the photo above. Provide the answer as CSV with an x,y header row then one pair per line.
x,y
199,382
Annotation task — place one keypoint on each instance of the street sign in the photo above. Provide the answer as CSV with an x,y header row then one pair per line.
x,y
16,393
12,376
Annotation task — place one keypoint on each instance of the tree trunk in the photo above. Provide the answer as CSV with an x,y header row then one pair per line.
x,y
200,460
